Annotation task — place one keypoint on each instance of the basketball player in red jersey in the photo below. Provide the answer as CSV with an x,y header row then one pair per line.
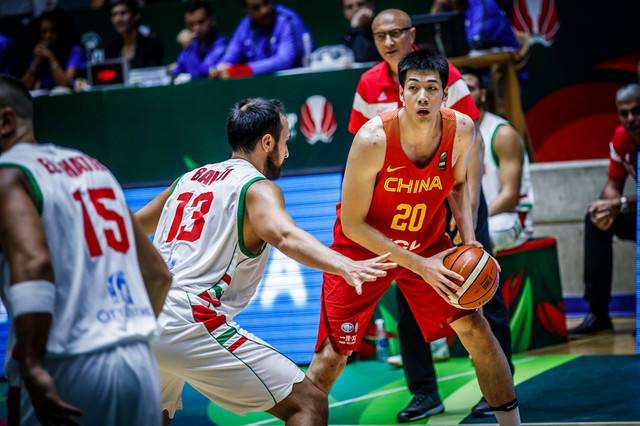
x,y
401,168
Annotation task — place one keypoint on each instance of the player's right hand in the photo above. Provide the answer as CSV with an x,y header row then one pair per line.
x,y
439,276
49,408
358,272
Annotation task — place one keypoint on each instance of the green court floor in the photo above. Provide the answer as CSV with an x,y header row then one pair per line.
x,y
552,389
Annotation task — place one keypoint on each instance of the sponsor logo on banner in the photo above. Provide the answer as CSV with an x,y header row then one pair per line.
x,y
317,120
538,18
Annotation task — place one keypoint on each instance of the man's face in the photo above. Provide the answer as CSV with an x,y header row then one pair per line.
x,y
393,39
48,34
629,114
276,158
260,11
122,18
198,23
422,94
350,7
479,95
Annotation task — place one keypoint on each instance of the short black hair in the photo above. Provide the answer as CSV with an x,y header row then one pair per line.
x,y
193,5
424,60
132,5
14,93
250,119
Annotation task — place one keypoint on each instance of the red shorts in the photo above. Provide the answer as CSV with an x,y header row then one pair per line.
x,y
344,315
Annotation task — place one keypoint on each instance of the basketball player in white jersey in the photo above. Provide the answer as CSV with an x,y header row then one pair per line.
x,y
213,227
506,181
80,280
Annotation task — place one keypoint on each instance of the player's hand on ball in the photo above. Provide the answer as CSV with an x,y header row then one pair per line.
x,y
49,408
359,271
443,280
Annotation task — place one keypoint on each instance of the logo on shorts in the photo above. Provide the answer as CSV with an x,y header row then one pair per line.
x,y
347,327
317,120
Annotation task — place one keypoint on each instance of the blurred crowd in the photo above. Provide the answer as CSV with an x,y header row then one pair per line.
x,y
39,44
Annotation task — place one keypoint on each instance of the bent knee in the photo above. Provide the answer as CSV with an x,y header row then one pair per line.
x,y
470,326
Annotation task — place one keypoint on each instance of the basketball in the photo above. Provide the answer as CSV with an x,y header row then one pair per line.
x,y
480,272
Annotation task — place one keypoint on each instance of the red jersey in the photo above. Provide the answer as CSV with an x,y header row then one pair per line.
x,y
408,201
377,93
623,156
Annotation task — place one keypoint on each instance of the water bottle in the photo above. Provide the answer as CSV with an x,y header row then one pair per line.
x,y
382,341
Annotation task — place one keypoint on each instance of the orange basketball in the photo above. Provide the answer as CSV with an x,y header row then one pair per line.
x,y
480,272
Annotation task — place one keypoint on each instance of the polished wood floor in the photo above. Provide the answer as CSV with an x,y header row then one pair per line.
x,y
619,342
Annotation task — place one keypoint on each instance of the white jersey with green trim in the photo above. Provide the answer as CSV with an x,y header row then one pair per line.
x,y
491,179
200,235
101,300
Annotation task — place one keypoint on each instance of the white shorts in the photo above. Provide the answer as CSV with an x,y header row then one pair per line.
x,y
115,386
228,365
506,231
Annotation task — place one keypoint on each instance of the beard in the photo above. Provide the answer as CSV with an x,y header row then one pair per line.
x,y
272,170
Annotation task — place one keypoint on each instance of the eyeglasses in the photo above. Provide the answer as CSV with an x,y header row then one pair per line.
x,y
394,34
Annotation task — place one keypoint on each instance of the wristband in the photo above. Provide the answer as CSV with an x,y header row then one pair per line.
x,y
30,297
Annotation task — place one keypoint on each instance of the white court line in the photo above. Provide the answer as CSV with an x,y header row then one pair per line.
x,y
392,390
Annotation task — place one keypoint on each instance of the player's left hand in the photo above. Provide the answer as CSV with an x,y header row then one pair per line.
x,y
479,244
49,408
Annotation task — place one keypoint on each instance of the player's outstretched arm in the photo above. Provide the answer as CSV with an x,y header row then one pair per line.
x,y
149,216
267,220
31,296
460,199
156,276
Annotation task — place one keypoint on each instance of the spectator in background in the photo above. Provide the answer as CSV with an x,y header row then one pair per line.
x,y
486,24
270,38
359,38
207,45
613,214
506,182
57,57
139,49
378,88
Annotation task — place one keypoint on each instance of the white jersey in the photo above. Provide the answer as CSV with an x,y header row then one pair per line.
x,y
491,178
101,300
200,235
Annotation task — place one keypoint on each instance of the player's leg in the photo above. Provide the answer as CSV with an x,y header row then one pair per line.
x,y
417,363
490,363
305,405
344,316
326,366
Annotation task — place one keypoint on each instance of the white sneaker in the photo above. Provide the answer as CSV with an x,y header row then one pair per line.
x,y
440,350
395,360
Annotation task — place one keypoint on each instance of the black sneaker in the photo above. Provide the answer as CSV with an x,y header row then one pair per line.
x,y
592,324
421,406
481,409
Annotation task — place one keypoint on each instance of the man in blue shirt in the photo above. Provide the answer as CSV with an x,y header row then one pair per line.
x,y
206,48
270,38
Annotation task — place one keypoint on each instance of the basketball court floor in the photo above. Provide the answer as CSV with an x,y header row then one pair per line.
x,y
589,381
